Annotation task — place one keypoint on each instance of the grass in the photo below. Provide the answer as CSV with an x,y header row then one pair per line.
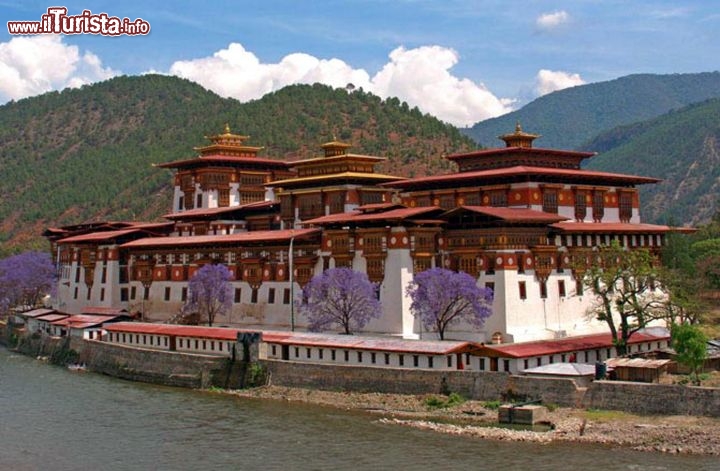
x,y
437,402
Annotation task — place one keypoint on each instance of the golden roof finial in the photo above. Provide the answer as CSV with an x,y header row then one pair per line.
x,y
227,128
518,128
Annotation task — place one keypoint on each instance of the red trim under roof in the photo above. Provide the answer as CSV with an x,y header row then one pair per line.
x,y
566,345
213,211
608,227
242,237
521,170
99,236
356,216
511,214
224,159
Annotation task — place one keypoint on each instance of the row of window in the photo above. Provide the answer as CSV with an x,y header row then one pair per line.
x,y
152,340
372,358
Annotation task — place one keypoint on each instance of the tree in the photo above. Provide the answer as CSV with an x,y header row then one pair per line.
x,y
441,298
25,279
339,297
210,292
626,285
690,345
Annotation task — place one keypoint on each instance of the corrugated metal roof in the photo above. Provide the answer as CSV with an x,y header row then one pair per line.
x,y
359,342
242,237
99,236
565,345
336,176
105,311
636,363
562,369
51,317
356,216
36,313
83,321
218,333
213,211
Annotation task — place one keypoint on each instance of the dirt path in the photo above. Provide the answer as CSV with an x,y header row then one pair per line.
x,y
669,434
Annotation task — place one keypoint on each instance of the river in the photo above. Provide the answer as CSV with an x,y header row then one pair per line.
x,y
56,419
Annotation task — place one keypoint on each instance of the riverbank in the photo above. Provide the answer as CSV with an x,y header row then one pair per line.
x,y
667,434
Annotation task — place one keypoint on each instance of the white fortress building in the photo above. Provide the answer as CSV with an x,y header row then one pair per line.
x,y
520,219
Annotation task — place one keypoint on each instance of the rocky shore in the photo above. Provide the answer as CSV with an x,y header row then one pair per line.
x,y
668,434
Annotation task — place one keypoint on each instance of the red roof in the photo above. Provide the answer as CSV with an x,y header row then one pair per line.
x,y
357,342
83,321
219,333
608,227
356,216
36,313
522,170
239,238
105,311
566,345
517,150
213,211
511,214
98,236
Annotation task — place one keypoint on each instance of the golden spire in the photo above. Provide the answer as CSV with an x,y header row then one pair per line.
x,y
227,128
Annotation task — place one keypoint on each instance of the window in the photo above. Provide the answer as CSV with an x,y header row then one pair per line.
x,y
598,205
75,294
297,352
167,293
347,355
146,293
103,278
333,355
539,361
561,288
401,360
491,285
625,206
274,350
359,357
416,361
373,358
271,296
449,362
198,203
579,288
183,294
482,364
320,353
525,364
430,361
580,205
308,352
506,365
123,294
387,358
102,294
522,287
254,296
543,289
550,201
133,293
286,296
238,293
77,275
88,293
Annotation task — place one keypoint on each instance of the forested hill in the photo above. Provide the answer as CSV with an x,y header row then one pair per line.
x,y
87,154
681,147
568,118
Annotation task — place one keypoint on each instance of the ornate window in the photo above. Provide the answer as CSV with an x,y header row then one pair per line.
x,y
626,206
550,201
598,205
580,205
498,198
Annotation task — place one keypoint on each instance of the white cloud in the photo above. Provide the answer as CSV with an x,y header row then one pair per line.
x,y
548,81
550,21
31,65
418,76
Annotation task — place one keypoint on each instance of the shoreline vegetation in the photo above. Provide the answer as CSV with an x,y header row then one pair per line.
x,y
666,434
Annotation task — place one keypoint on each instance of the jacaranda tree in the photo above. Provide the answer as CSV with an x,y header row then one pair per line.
x,y
210,293
25,279
441,298
339,297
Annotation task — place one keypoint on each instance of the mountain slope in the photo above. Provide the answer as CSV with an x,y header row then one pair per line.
x,y
568,118
87,153
681,147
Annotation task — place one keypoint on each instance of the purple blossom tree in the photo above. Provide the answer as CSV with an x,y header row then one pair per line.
x,y
441,298
339,297
25,279
210,293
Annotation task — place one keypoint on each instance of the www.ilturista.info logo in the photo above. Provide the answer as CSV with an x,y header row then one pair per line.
x,y
57,21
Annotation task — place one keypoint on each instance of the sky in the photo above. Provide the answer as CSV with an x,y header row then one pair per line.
x,y
460,60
